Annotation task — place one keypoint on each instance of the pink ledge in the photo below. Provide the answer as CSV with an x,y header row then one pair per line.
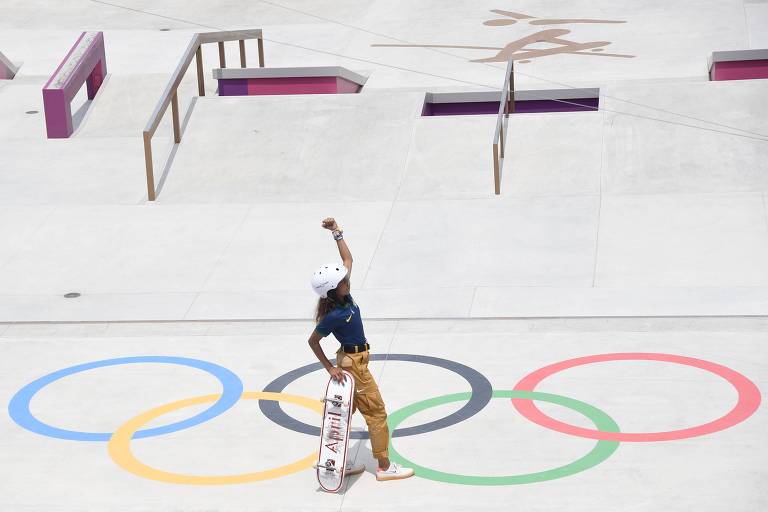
x,y
85,63
301,85
740,70
285,81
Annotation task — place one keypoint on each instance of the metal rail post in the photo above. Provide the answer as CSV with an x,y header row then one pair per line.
x,y
175,112
200,78
149,166
242,53
222,55
512,87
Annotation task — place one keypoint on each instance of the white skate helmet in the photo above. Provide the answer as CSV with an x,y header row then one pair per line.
x,y
328,278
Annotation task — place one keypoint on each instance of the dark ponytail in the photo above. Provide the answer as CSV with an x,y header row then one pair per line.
x,y
325,305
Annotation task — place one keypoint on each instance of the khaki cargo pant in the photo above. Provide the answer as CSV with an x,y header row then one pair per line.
x,y
367,400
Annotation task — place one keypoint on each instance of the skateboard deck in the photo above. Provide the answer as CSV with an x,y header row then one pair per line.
x,y
334,433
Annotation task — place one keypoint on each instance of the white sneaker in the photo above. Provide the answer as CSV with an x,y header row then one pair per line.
x,y
353,469
394,472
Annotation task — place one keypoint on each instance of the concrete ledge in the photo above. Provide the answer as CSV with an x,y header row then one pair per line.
x,y
614,302
415,303
300,305
528,101
322,71
730,56
377,329
94,307
526,95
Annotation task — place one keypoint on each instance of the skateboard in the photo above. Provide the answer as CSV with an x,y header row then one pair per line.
x,y
334,433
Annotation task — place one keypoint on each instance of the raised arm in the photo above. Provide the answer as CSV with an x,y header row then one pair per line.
x,y
346,256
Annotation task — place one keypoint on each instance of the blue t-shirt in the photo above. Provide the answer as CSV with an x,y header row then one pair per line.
x,y
344,322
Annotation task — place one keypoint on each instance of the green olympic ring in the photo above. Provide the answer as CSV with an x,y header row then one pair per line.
x,y
601,451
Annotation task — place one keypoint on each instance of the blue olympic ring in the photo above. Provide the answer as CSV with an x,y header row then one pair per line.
x,y
19,411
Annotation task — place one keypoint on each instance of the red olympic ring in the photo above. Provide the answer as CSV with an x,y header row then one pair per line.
x,y
749,399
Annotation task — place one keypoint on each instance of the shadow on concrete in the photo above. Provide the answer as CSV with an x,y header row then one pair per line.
x,y
357,453
172,155
85,105
79,115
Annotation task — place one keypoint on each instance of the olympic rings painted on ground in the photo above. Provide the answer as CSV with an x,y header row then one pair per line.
x,y
120,444
601,451
18,408
607,432
481,395
748,402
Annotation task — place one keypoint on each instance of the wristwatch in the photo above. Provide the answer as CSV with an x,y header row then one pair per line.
x,y
337,234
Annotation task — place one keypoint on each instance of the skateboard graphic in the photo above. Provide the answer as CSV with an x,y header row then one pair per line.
x,y
334,433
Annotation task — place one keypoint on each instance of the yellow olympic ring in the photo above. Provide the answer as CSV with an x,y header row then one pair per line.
x,y
119,446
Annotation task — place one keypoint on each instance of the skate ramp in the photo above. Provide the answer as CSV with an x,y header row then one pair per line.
x,y
638,229
628,210
602,213
293,148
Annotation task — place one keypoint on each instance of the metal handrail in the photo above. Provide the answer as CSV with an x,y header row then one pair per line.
x,y
170,96
506,106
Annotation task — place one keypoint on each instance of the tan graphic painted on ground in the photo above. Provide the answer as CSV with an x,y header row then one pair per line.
x,y
517,49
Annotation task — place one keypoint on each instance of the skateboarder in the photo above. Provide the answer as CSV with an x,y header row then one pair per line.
x,y
337,313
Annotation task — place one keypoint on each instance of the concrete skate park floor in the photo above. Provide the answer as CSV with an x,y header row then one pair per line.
x,y
639,228
724,470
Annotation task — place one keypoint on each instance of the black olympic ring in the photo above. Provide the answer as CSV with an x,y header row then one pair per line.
x,y
481,395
